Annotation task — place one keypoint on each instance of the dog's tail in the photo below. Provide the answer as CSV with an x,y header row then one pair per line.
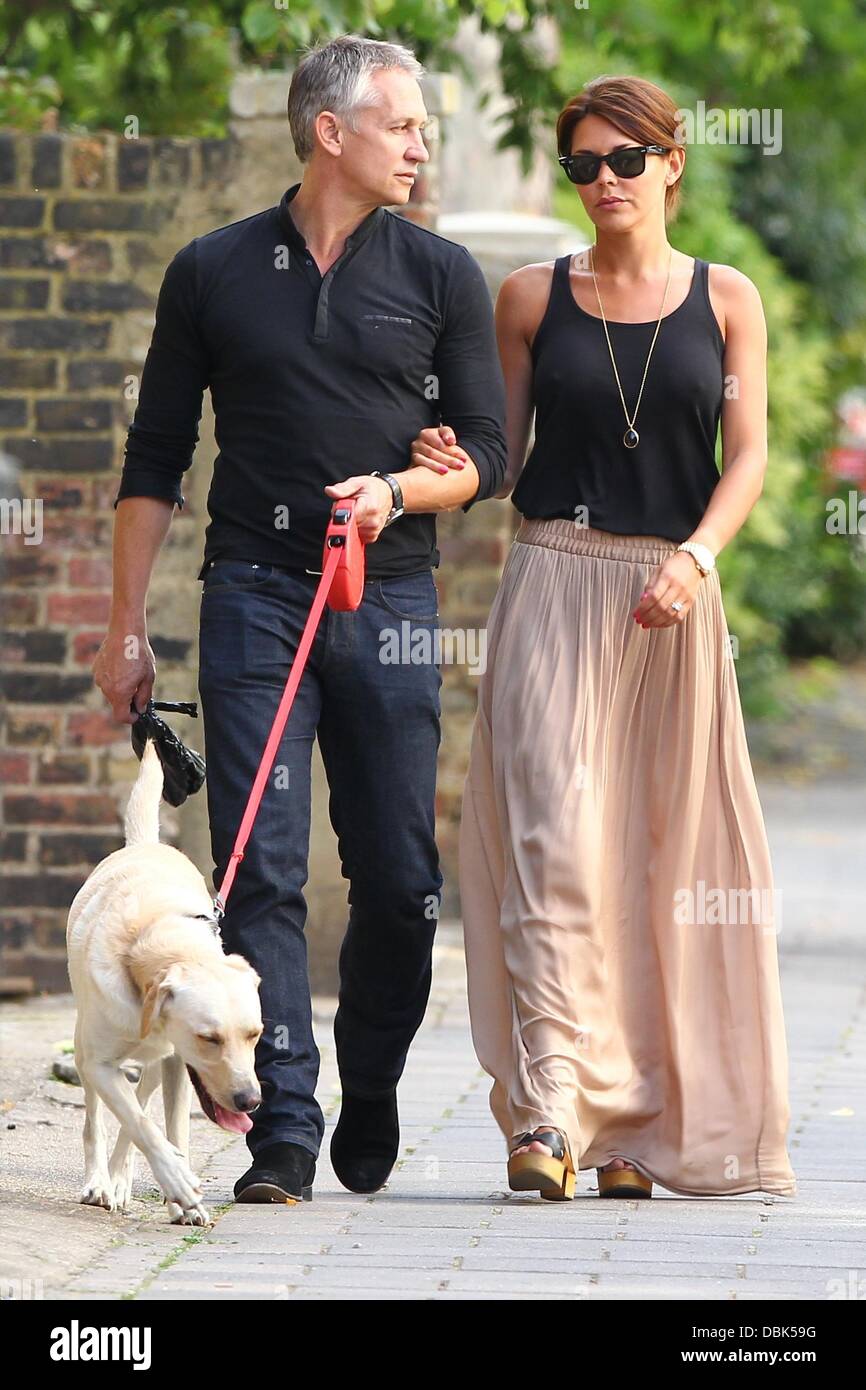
x,y
141,822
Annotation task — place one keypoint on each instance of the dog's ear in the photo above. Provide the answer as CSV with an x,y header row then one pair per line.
x,y
159,992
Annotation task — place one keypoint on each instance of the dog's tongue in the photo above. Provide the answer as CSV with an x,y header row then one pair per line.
x,y
234,1120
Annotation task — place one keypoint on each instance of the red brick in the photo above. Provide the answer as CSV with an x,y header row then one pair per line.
x,y
78,608
40,889
81,532
66,848
46,969
14,767
36,646
54,770
87,161
85,645
22,612
32,730
59,492
49,932
60,808
13,846
94,728
90,572
30,565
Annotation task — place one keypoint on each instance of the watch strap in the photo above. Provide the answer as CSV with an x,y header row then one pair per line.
x,y
701,554
396,494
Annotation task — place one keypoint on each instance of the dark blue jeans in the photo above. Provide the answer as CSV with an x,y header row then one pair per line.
x,y
379,732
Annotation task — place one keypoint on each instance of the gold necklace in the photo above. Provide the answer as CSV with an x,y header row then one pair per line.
x,y
631,438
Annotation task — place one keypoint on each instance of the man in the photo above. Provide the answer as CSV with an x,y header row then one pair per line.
x,y
336,338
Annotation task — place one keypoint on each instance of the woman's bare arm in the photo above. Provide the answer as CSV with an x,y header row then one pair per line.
x,y
520,306
744,408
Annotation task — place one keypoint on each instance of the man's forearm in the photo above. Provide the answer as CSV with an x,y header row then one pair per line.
x,y
140,527
426,491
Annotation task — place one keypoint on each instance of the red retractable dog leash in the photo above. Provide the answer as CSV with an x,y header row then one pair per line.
x,y
342,587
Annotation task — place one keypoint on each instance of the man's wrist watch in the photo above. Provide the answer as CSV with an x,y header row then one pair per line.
x,y
701,554
396,494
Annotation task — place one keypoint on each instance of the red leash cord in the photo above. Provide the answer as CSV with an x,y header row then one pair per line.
x,y
342,571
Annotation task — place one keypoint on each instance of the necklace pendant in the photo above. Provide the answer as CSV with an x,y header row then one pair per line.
x,y
631,438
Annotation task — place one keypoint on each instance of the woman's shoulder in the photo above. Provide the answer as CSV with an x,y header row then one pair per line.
x,y
732,284
527,280
524,294
735,299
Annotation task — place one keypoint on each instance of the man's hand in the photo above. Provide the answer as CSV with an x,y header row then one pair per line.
x,y
437,448
374,501
124,669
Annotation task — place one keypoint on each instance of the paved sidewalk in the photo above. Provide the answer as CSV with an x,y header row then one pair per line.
x,y
446,1227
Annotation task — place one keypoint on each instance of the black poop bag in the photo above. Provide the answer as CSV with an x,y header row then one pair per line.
x,y
183,769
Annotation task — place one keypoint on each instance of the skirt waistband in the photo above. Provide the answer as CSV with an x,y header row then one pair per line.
x,y
561,534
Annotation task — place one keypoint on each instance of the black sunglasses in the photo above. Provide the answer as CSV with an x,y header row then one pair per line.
x,y
626,163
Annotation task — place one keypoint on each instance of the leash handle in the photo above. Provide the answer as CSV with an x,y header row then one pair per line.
x,y
342,568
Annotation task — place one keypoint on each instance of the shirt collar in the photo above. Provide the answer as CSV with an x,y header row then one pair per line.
x,y
371,222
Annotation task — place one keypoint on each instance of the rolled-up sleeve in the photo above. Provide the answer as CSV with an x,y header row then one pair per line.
x,y
471,385
164,431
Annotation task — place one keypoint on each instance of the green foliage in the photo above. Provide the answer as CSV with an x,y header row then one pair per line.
x,y
170,64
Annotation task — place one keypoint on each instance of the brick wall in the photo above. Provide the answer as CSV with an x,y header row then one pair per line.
x,y
86,228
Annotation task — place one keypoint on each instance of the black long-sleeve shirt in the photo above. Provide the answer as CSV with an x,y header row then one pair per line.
x,y
315,379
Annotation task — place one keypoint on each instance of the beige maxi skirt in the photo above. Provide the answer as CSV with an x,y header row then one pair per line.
x,y
619,910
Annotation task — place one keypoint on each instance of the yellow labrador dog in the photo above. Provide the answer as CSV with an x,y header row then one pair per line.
x,y
151,982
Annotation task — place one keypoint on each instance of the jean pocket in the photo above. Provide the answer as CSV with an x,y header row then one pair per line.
x,y
235,574
412,596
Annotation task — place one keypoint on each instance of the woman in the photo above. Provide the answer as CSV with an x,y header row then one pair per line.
x,y
610,799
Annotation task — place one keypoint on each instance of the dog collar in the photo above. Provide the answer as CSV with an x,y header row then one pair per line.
x,y
207,917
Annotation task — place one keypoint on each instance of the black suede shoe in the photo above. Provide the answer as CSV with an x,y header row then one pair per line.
x,y
280,1173
366,1141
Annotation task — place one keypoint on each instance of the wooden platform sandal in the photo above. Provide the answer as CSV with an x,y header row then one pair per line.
x,y
623,1182
550,1174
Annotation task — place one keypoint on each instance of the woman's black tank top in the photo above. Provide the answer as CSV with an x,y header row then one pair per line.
x,y
661,487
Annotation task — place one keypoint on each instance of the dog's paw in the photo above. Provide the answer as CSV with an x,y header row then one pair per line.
x,y
195,1216
178,1182
98,1192
121,1193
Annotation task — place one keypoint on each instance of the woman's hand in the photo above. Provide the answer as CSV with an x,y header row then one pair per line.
x,y
437,448
676,581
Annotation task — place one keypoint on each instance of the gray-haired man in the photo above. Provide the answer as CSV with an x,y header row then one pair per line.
x,y
349,352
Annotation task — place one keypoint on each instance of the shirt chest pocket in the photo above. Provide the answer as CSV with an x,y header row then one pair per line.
x,y
391,343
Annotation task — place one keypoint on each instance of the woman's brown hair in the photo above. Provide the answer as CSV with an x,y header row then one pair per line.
x,y
635,106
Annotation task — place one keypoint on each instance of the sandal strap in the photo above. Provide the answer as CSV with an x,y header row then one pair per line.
x,y
520,1140
551,1137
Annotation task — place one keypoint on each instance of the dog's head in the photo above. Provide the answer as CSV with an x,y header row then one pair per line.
x,y
212,1015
